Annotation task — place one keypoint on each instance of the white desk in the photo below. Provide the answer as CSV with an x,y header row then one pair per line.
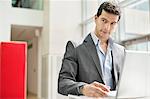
x,y
84,97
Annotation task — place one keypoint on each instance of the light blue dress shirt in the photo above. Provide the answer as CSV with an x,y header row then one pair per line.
x,y
105,60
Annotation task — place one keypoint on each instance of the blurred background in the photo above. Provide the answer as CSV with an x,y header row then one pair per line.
x,y
46,26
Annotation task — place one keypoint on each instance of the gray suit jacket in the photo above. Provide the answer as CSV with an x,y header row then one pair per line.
x,y
81,65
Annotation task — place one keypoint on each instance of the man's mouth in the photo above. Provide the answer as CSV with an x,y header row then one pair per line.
x,y
104,32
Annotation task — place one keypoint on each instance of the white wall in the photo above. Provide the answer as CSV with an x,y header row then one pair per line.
x,y
92,6
27,17
61,22
4,20
65,20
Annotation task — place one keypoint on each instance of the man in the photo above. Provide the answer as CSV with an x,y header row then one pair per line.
x,y
93,68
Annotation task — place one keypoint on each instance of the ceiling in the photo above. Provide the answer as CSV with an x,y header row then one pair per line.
x,y
23,33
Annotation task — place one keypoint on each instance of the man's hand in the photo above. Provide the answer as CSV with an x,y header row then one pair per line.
x,y
95,89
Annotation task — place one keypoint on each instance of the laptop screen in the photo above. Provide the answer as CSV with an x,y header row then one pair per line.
x,y
134,77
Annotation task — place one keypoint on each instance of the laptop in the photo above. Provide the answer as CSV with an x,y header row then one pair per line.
x,y
135,76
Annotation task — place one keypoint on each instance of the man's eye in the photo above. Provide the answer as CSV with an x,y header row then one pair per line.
x,y
113,23
104,21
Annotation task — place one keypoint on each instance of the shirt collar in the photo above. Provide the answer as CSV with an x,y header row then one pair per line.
x,y
96,40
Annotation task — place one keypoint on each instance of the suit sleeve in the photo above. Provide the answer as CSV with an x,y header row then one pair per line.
x,y
67,83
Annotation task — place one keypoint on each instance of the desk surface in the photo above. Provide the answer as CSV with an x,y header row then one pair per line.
x,y
85,97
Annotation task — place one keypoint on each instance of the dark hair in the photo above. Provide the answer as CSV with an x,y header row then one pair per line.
x,y
110,8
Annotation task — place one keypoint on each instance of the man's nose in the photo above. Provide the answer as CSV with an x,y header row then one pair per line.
x,y
107,27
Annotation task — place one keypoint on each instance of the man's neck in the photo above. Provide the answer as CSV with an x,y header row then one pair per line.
x,y
103,41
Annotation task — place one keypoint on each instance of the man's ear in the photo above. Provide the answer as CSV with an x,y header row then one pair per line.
x,y
95,17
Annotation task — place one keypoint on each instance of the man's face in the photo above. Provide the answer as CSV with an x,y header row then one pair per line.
x,y
105,24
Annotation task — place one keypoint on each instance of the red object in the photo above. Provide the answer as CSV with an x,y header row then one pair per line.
x,y
13,70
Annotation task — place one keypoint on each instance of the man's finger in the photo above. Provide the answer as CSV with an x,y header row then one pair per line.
x,y
100,91
102,86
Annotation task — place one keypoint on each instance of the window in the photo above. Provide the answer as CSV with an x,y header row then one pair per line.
x,y
134,23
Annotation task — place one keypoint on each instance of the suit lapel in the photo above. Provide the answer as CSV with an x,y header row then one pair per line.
x,y
93,53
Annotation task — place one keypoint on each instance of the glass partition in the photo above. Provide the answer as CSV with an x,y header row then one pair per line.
x,y
135,22
31,4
